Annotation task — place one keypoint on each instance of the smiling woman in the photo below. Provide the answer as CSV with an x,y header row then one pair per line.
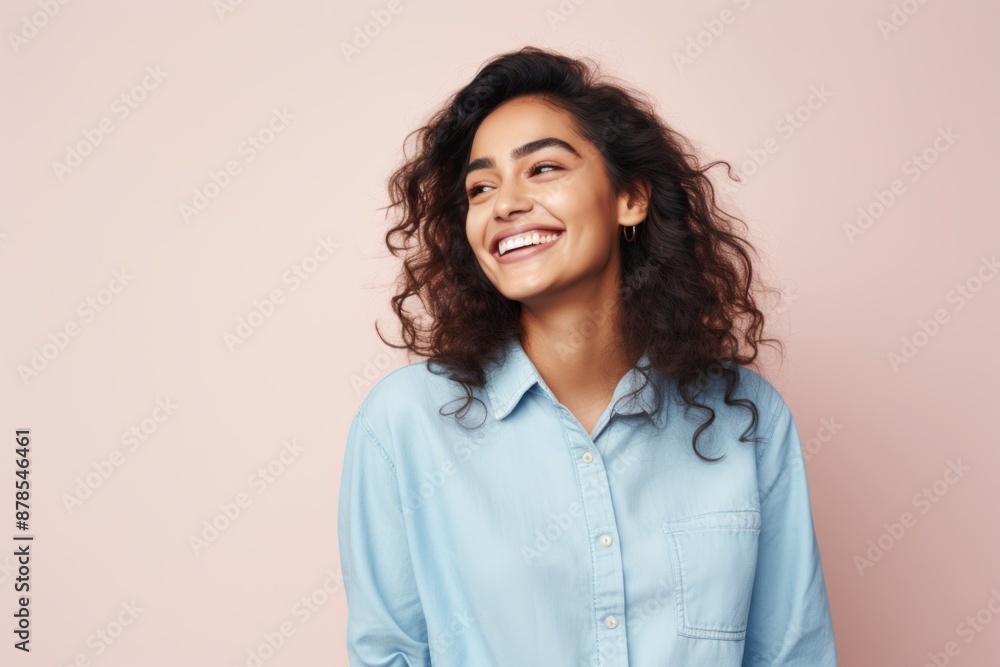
x,y
545,188
580,284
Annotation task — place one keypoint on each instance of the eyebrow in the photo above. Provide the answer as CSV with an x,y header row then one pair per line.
x,y
521,151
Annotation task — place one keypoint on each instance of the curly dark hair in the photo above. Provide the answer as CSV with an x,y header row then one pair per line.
x,y
686,281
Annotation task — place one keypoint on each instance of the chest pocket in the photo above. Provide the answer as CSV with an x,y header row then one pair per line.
x,y
714,558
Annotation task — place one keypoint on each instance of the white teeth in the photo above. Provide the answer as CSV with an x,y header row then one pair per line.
x,y
527,238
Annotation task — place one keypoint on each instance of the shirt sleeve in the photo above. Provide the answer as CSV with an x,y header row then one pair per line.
x,y
385,620
789,622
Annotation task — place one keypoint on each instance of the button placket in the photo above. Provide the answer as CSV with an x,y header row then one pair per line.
x,y
598,511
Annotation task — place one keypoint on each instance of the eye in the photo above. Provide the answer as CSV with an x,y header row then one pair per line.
x,y
543,166
472,192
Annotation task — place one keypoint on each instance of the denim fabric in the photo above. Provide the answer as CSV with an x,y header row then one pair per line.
x,y
529,542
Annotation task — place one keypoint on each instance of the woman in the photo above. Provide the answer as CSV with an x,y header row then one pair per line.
x,y
605,503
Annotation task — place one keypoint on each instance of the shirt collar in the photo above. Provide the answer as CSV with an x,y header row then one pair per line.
x,y
513,373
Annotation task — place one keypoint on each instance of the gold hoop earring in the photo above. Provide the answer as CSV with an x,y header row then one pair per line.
x,y
625,229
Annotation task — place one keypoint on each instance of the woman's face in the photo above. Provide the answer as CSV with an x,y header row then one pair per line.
x,y
533,179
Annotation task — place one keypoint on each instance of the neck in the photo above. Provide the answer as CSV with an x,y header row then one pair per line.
x,y
577,346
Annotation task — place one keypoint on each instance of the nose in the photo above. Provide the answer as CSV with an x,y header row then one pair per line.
x,y
510,198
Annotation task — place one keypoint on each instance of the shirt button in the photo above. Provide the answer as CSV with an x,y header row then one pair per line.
x,y
606,541
587,457
611,622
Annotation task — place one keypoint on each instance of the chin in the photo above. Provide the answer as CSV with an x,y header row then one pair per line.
x,y
523,292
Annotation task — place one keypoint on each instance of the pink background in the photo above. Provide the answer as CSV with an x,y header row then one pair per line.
x,y
875,436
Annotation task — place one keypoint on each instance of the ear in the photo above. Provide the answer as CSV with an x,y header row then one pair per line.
x,y
633,202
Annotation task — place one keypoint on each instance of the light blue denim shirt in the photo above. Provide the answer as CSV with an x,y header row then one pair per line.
x,y
527,542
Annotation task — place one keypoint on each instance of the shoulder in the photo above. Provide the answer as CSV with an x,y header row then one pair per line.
x,y
758,388
778,452
405,397
752,385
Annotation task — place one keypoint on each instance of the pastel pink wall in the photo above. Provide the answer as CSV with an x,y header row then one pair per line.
x,y
842,99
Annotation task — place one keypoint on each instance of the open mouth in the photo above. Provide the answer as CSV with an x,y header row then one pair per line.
x,y
525,245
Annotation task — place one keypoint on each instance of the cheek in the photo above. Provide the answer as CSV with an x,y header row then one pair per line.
x,y
576,202
471,224
589,219
475,231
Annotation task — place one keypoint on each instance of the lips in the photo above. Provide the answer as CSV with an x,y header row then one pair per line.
x,y
520,229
